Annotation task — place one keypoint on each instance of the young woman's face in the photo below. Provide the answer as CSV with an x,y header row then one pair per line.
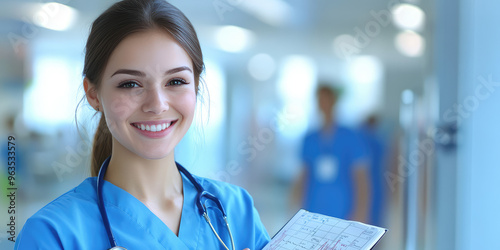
x,y
147,94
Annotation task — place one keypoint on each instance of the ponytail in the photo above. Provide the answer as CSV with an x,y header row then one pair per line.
x,y
102,146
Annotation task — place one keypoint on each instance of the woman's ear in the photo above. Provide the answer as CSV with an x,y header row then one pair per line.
x,y
91,94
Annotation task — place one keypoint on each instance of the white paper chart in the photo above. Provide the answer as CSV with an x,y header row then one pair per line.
x,y
314,231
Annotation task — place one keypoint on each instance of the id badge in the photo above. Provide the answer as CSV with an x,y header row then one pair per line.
x,y
327,169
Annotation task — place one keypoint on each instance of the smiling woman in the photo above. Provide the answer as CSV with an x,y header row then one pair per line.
x,y
142,72
148,81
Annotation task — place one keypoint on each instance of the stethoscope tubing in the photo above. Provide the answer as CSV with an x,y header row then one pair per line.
x,y
100,202
202,193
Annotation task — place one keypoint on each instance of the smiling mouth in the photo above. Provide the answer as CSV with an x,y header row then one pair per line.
x,y
153,128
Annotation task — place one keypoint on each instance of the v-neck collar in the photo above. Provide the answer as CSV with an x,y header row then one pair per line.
x,y
140,213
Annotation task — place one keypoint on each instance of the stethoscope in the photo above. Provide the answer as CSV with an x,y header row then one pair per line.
x,y
202,194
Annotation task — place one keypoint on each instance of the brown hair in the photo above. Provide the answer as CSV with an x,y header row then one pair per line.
x,y
325,87
115,24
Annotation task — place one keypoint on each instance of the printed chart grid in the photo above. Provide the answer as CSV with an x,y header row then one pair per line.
x,y
317,232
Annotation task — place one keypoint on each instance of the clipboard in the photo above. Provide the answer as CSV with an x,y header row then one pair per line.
x,y
307,230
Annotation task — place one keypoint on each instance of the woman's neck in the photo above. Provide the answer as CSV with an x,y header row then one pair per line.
x,y
328,121
150,181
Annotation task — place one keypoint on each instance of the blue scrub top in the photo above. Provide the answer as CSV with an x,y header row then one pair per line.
x,y
73,221
330,162
376,150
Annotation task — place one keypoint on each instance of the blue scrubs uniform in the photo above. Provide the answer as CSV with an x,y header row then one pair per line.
x,y
73,221
330,162
376,150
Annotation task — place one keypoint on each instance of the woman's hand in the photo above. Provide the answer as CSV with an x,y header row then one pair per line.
x,y
246,249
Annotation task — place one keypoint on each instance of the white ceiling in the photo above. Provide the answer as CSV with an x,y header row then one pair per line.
x,y
311,28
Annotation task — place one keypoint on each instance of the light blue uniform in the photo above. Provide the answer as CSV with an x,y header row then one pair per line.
x,y
330,162
73,221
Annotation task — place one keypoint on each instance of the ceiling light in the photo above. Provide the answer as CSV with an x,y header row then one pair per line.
x,y
55,16
408,17
261,66
233,39
410,43
273,12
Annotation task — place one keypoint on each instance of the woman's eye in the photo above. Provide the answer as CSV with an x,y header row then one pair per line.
x,y
176,82
128,85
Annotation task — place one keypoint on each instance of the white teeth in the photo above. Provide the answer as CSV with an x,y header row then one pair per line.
x,y
153,128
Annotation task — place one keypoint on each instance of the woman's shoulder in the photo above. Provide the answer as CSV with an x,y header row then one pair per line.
x,y
225,191
239,205
219,186
69,204
72,201
62,214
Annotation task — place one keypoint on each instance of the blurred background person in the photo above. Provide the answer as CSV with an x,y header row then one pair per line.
x,y
377,167
334,180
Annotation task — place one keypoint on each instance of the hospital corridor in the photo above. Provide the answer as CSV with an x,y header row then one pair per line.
x,y
385,112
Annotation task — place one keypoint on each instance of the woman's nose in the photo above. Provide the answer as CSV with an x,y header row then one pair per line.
x,y
156,101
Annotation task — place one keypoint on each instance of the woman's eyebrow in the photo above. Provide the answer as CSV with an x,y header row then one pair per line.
x,y
142,74
178,69
129,72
